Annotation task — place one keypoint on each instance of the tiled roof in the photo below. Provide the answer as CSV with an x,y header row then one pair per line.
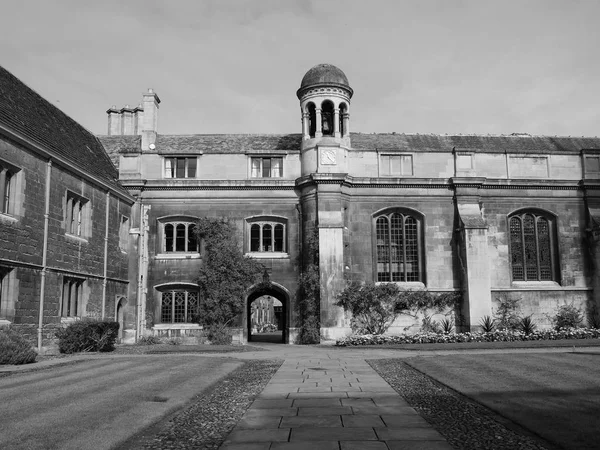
x,y
120,144
475,143
25,112
240,143
226,143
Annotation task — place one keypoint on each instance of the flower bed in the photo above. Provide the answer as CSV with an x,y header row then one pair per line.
x,y
446,338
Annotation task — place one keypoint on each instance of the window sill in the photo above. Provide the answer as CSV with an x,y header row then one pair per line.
x,y
536,285
4,322
177,326
8,218
410,285
76,238
177,256
69,320
267,255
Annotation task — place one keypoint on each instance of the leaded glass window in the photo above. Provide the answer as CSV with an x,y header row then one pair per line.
x,y
398,247
531,247
267,237
178,306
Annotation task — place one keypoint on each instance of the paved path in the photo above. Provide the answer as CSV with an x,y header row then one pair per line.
x,y
321,402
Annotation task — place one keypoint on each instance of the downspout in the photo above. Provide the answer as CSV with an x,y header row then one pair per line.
x,y
44,256
104,280
138,331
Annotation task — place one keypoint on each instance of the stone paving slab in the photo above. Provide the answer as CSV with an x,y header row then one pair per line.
x,y
331,404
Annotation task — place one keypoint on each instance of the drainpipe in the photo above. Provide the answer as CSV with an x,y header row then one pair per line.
x,y
142,271
104,280
44,256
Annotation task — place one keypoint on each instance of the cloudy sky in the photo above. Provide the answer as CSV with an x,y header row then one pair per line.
x,y
233,66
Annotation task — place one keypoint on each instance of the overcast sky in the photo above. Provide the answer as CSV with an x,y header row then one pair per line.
x,y
233,66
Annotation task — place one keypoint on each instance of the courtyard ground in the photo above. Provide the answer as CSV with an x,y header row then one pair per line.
x,y
554,395
153,401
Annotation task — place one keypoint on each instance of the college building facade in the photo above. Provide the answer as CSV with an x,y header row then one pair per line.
x,y
491,217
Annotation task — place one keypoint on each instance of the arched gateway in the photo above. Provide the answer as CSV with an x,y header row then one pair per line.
x,y
267,305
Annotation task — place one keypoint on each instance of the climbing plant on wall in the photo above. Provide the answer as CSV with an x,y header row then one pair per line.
x,y
309,291
225,274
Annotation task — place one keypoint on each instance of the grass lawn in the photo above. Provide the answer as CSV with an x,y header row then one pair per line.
x,y
554,395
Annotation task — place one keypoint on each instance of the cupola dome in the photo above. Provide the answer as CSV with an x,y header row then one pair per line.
x,y
324,75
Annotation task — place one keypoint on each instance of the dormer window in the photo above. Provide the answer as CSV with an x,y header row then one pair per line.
x,y
180,167
268,167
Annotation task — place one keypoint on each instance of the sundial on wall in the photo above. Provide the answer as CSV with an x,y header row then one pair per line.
x,y
328,156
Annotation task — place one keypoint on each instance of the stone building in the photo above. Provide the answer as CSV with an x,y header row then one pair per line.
x,y
64,219
490,216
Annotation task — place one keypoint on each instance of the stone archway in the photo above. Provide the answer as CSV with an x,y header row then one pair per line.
x,y
274,302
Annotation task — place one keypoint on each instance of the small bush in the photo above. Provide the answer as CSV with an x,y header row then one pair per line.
x,y
428,325
149,340
447,325
218,335
567,316
15,348
488,324
527,325
174,341
88,336
507,313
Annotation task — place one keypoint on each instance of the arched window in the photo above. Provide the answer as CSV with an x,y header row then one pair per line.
x,y
179,237
178,306
533,247
312,119
343,112
398,247
327,118
267,235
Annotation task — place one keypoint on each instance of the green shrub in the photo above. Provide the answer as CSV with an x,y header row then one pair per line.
x,y
567,316
447,325
218,335
429,325
149,340
507,313
488,324
88,336
15,348
527,325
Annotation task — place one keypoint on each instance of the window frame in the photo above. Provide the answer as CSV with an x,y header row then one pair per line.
x,y
553,246
261,168
67,302
10,176
7,293
402,157
174,160
173,290
79,227
418,240
262,222
187,222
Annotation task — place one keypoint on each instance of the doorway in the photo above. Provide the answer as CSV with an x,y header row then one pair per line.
x,y
266,316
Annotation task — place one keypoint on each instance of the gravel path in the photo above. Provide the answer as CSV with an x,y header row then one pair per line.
x,y
465,424
206,422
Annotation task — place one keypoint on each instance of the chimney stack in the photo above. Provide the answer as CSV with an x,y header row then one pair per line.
x,y
150,102
114,121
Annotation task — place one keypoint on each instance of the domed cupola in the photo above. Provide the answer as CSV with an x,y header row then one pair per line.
x,y
324,96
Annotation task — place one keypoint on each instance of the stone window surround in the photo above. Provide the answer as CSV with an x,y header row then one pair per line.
x,y
261,221
261,157
553,246
73,298
11,210
9,288
169,160
420,240
80,227
173,287
389,153
124,233
162,252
